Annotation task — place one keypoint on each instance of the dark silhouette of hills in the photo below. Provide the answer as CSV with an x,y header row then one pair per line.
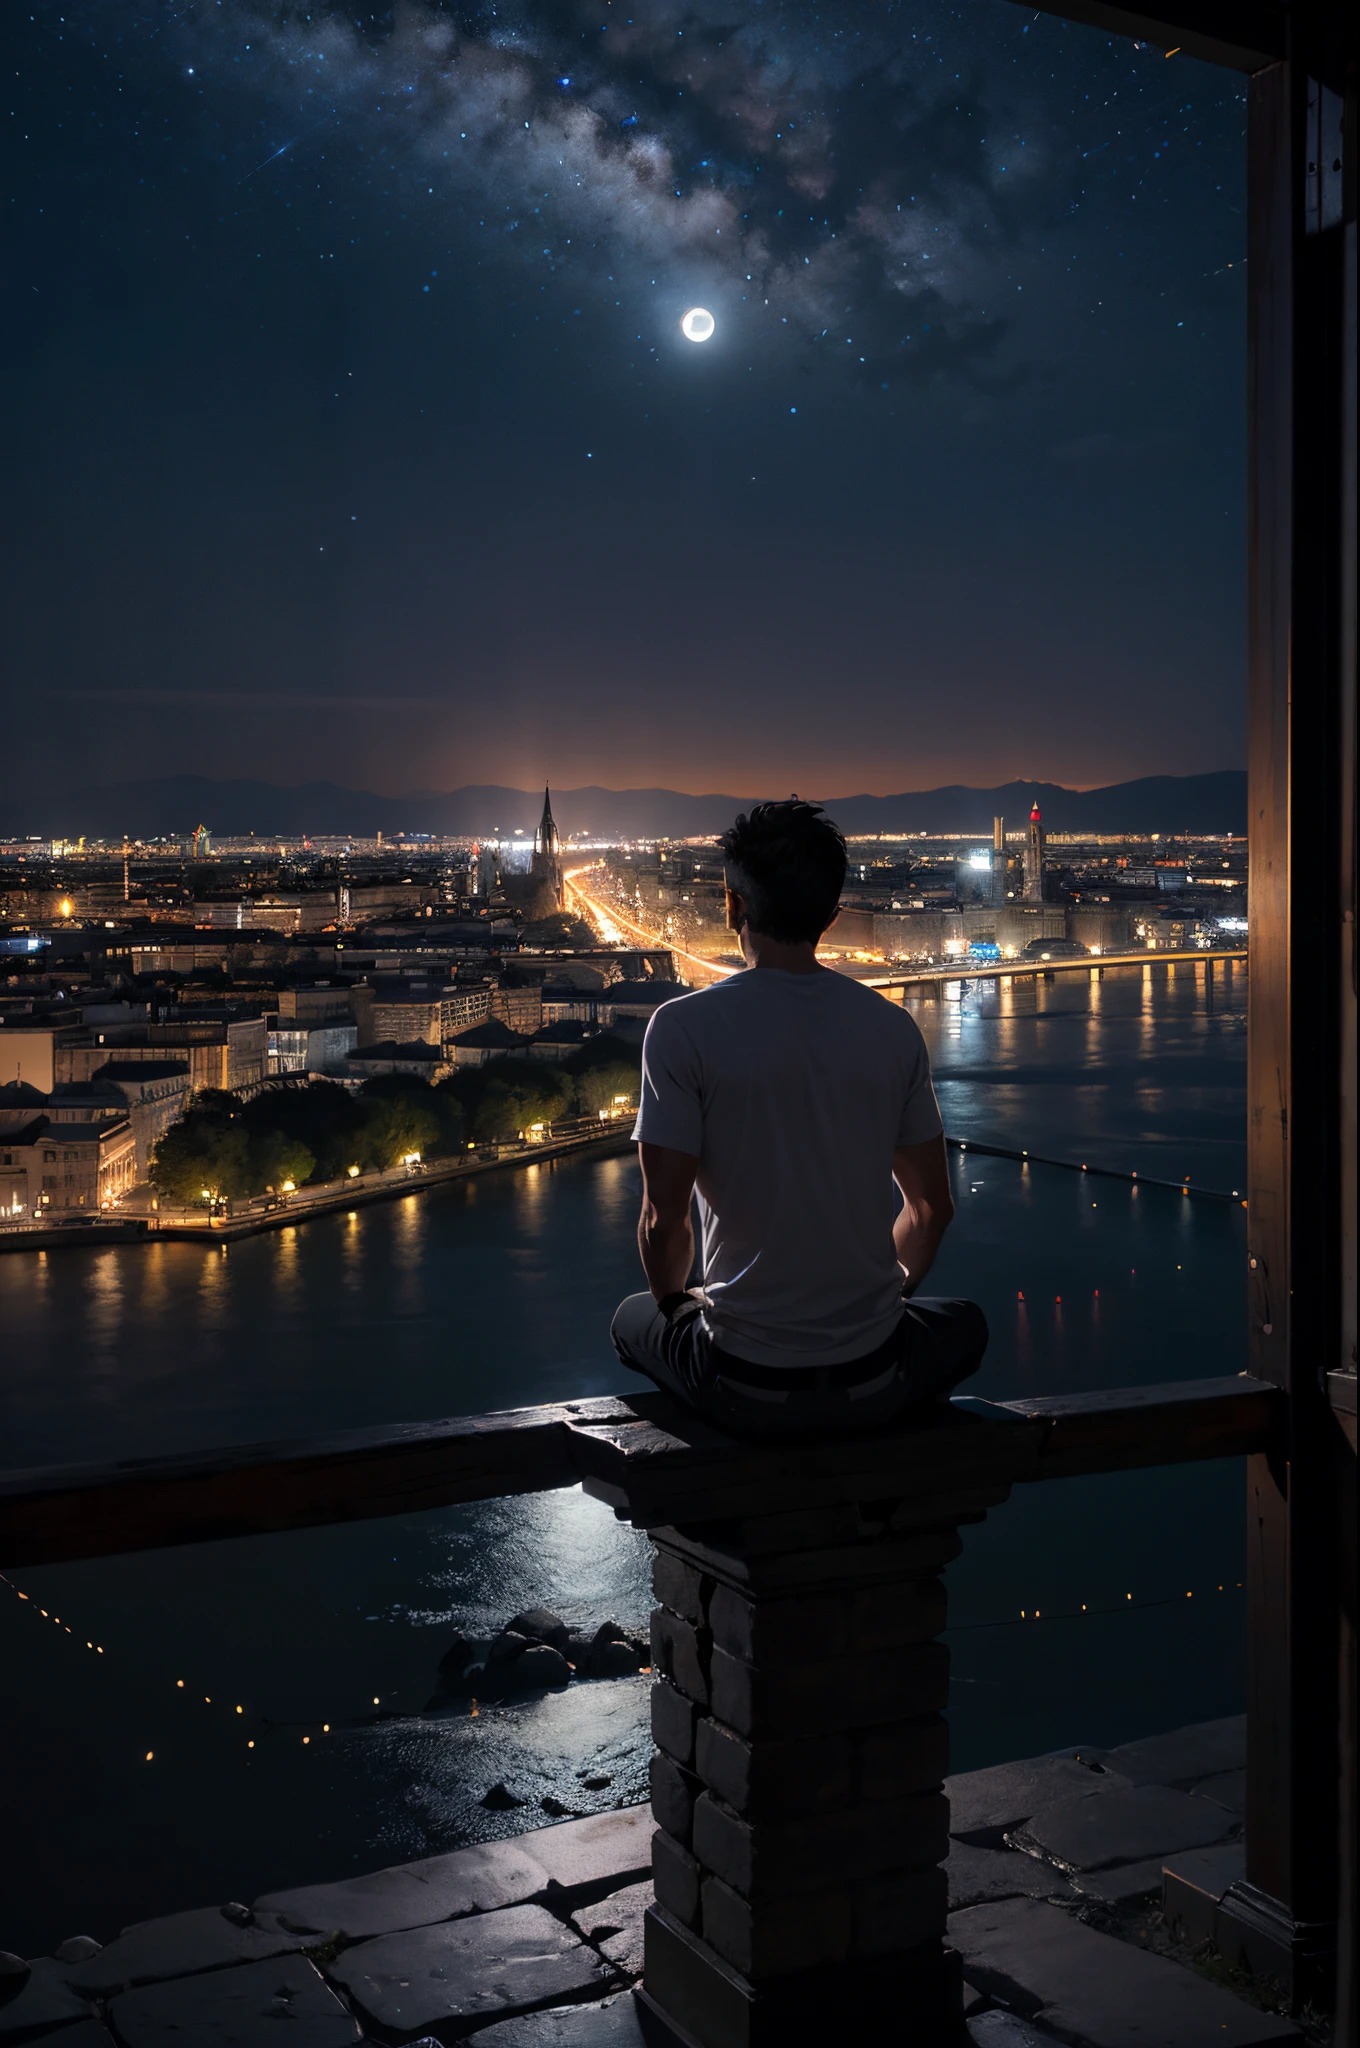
x,y
231,809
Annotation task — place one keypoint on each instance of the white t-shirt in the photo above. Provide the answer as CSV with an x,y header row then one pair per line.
x,y
792,1091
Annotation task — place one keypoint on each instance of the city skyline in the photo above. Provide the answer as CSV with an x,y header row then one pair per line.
x,y
359,432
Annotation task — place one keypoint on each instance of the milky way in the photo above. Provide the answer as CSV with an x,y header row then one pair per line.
x,y
871,179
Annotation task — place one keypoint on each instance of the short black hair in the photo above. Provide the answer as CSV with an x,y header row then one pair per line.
x,y
787,862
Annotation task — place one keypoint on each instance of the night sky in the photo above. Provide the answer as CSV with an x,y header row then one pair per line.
x,y
351,431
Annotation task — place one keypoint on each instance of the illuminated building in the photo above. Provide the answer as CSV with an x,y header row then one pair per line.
x,y
1034,859
546,865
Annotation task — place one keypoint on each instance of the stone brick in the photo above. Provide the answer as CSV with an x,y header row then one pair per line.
x,y
678,1585
678,1653
674,1791
905,1757
781,1935
710,1999
769,1861
772,1631
613,2023
773,1777
908,1611
242,2007
900,1912
673,1719
675,1876
1194,1884
489,1965
847,1692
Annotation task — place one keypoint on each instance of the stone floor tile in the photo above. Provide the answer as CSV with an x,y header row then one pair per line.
x,y
1004,1795
46,2000
976,1875
1092,1988
605,1848
179,1945
237,2009
615,1926
617,2023
1092,1830
1124,1885
489,1965
1199,1751
477,1880
1225,1788
1007,2030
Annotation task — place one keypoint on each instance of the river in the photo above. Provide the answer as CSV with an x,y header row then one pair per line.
x,y
128,1794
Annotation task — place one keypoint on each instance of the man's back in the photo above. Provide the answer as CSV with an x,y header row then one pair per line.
x,y
793,1090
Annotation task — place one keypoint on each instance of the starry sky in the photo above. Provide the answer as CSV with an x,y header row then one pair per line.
x,y
352,432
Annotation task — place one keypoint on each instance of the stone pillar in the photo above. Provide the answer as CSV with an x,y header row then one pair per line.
x,y
797,1714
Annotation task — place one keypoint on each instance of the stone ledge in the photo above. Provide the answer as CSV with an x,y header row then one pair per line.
x,y
1092,1988
249,2007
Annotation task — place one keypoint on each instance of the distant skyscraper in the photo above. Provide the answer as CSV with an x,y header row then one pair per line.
x,y
547,860
998,863
1034,859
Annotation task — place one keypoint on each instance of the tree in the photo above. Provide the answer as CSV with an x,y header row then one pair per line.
x,y
519,1095
276,1158
202,1156
597,1087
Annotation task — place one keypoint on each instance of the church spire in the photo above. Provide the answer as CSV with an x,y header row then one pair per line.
x,y
547,827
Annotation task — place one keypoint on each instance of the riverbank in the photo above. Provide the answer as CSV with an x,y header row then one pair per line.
x,y
307,1203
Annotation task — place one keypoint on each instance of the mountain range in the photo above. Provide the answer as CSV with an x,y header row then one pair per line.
x,y
231,809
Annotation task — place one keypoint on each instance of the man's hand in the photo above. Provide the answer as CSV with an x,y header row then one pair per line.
x,y
665,1232
922,1173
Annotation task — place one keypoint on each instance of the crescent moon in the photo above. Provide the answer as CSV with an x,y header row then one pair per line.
x,y
698,324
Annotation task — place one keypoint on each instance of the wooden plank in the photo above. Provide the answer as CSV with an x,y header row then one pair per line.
x,y
54,1515
1243,38
1123,1428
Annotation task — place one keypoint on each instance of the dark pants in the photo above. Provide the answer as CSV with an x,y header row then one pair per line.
x,y
936,1344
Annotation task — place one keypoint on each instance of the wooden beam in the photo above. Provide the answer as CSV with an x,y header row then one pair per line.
x,y
651,1459
1122,1429
55,1515
1242,38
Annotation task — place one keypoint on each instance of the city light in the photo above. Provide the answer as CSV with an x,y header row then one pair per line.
x,y
353,1172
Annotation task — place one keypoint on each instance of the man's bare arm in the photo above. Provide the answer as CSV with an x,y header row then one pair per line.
x,y
665,1232
922,1173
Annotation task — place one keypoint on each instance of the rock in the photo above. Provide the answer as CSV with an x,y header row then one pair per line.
x,y
509,1645
613,1660
500,1798
77,1948
540,1626
1123,1885
457,1658
554,1806
596,1783
476,1880
243,2008
540,1666
490,1965
14,1974
239,1915
1092,1988
1093,1830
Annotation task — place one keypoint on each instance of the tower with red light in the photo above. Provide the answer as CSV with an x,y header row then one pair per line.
x,y
1034,858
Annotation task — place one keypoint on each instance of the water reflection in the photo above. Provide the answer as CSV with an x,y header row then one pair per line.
x,y
497,1293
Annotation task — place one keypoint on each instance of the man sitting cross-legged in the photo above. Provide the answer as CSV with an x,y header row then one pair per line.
x,y
792,1098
